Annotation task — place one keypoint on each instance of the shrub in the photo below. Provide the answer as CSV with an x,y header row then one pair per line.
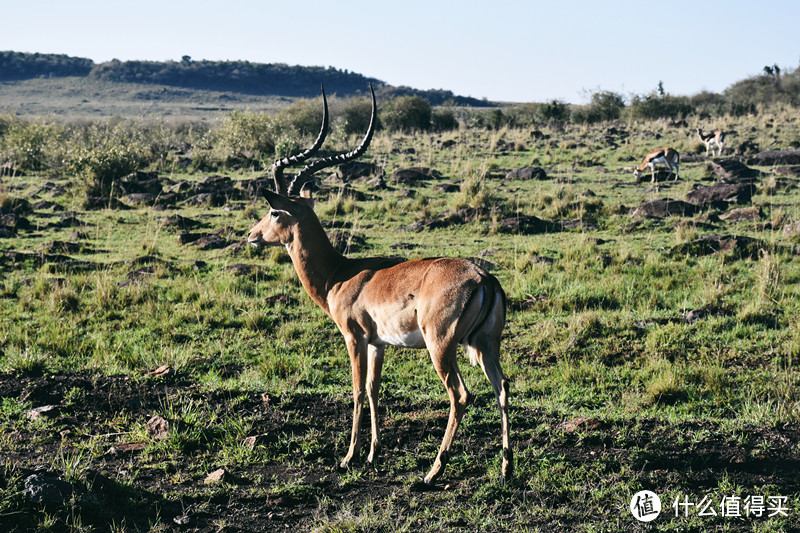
x,y
244,133
444,120
553,111
99,167
407,113
355,116
28,145
304,116
604,105
654,105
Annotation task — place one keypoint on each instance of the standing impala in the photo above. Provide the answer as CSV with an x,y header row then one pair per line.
x,y
711,138
661,156
435,303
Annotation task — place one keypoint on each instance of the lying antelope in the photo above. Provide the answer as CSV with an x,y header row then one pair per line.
x,y
661,156
435,303
711,138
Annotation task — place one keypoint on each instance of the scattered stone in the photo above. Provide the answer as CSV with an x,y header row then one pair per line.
x,y
14,222
45,411
140,198
47,491
66,247
787,156
217,476
138,182
791,230
356,169
527,173
237,247
243,269
163,371
526,225
784,171
750,214
158,427
747,147
731,170
722,194
446,187
211,242
259,440
280,299
690,317
346,242
413,175
738,246
138,275
584,423
126,448
68,221
44,205
404,246
664,207
204,241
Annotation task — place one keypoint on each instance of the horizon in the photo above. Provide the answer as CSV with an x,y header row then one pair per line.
x,y
436,46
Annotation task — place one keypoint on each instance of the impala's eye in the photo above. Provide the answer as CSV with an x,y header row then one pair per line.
x,y
274,214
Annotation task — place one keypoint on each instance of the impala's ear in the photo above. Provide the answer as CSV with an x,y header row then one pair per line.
x,y
275,200
305,192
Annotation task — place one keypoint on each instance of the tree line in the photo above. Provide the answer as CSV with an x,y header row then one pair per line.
x,y
231,76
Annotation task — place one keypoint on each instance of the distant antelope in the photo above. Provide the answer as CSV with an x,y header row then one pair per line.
x,y
711,138
661,156
435,303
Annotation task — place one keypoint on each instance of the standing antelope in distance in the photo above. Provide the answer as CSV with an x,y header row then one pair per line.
x,y
435,303
661,156
711,138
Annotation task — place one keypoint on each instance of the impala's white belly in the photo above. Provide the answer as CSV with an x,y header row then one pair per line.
x,y
660,161
405,339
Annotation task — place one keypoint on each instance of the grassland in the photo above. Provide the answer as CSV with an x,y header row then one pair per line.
x,y
615,386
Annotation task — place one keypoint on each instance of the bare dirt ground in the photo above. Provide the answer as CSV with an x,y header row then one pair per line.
x,y
125,487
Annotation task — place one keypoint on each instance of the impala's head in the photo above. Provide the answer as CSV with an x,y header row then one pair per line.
x,y
637,174
292,204
286,213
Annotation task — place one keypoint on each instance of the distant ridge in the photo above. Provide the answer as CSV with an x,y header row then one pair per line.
x,y
244,77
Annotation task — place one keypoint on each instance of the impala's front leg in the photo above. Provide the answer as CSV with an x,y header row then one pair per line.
x,y
375,368
357,348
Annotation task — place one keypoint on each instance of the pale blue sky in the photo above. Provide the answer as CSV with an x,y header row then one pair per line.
x,y
498,49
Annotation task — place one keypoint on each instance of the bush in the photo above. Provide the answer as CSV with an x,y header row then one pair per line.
x,y
28,145
654,105
246,134
99,167
304,116
553,111
444,120
604,105
407,113
355,116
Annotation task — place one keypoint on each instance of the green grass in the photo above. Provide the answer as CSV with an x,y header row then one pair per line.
x,y
597,331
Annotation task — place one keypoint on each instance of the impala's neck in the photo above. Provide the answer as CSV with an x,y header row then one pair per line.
x,y
315,260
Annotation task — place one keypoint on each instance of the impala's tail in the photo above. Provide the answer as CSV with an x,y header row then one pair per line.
x,y
490,319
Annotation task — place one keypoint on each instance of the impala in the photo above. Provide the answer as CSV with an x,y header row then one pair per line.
x,y
435,303
661,156
711,138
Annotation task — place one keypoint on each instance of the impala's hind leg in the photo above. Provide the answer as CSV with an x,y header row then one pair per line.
x,y
486,350
444,361
374,368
